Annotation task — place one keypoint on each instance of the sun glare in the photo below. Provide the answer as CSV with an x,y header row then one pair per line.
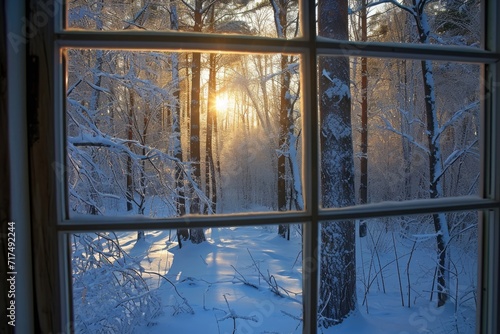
x,y
221,103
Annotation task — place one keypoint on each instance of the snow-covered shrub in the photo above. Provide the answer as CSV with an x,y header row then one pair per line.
x,y
109,292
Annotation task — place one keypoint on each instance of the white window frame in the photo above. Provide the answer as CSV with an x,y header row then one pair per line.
x,y
309,47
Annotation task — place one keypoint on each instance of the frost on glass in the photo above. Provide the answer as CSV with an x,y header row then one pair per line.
x,y
273,18
405,282
243,279
450,22
414,129
162,134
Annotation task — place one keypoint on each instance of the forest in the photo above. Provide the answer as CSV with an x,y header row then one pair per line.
x,y
169,133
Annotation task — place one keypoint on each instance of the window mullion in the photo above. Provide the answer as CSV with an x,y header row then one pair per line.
x,y
186,42
404,51
85,223
489,265
420,206
311,229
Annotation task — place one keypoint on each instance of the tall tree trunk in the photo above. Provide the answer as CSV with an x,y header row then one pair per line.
x,y
263,86
296,187
194,148
435,184
196,235
94,100
406,127
176,129
363,184
337,263
293,158
435,158
363,188
93,106
283,144
210,181
280,19
142,179
177,147
129,178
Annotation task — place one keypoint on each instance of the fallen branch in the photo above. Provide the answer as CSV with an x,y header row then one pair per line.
x,y
243,279
232,315
271,281
189,308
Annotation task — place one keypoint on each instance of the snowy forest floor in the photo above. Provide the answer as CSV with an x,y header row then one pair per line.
x,y
249,280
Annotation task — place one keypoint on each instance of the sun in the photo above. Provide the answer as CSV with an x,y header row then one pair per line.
x,y
221,103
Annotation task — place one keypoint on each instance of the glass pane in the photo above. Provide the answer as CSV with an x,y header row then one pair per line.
x,y
452,22
247,279
277,18
407,278
405,130
163,134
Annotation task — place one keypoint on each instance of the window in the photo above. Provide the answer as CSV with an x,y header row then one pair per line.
x,y
365,134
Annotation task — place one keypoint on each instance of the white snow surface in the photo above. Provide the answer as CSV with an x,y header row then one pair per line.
x,y
221,282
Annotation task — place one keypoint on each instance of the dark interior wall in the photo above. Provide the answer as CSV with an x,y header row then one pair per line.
x,y
4,170
42,178
43,174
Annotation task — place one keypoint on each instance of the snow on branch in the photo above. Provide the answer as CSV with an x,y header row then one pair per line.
x,y
73,86
88,202
131,81
456,116
412,140
118,146
136,17
103,277
453,157
292,68
79,109
95,87
393,2
121,146
83,171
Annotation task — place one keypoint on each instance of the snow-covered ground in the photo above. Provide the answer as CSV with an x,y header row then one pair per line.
x,y
249,280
